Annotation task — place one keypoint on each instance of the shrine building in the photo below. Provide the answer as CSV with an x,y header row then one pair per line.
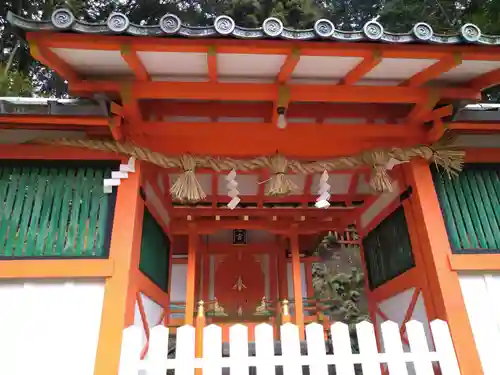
x,y
206,164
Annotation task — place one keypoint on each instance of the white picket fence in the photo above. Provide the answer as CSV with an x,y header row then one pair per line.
x,y
394,357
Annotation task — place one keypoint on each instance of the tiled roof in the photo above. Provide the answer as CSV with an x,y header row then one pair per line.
x,y
171,25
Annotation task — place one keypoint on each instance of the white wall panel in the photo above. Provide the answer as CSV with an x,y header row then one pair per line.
x,y
50,326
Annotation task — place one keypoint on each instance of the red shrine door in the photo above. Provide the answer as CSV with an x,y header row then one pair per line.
x,y
239,285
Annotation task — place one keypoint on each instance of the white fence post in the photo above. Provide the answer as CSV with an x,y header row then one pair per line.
x,y
444,347
131,351
264,349
316,349
290,347
394,358
419,348
393,348
238,348
367,343
212,349
341,342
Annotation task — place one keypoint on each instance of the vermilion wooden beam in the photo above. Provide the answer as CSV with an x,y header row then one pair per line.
x,y
209,212
134,62
46,152
263,110
96,121
442,66
267,92
423,109
132,112
486,80
473,126
437,131
296,198
212,63
367,65
115,124
288,66
249,140
272,47
42,53
294,131
439,113
181,227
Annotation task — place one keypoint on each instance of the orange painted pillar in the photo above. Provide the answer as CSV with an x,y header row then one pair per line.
x,y
297,281
435,248
282,270
120,288
191,275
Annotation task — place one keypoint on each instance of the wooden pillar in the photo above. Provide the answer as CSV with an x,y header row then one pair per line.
x,y
191,275
297,281
120,288
282,270
443,282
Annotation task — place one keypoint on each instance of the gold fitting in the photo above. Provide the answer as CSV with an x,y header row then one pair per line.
x,y
283,96
212,51
284,304
201,309
125,49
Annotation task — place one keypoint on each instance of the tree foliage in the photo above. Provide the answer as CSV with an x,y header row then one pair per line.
x,y
339,278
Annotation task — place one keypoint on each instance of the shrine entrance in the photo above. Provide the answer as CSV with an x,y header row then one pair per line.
x,y
240,286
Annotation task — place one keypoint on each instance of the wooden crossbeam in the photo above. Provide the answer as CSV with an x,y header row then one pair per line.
x,y
134,62
442,66
212,63
363,68
250,139
288,66
267,92
48,58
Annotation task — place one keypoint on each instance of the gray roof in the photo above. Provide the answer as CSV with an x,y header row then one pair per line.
x,y
171,25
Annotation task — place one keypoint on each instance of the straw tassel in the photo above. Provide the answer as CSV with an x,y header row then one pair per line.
x,y
380,181
279,185
187,187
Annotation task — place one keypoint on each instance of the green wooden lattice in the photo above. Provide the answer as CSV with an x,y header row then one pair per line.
x,y
470,204
387,249
155,252
54,209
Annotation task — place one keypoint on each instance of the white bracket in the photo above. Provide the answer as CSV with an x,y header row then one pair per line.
x,y
117,176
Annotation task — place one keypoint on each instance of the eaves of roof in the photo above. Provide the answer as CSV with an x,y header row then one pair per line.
x,y
171,25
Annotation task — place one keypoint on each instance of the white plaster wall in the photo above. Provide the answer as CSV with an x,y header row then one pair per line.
x,y
481,295
396,307
153,314
178,283
378,206
49,326
302,279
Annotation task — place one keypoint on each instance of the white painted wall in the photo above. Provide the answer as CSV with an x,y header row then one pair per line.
x,y
153,314
178,283
395,309
49,326
379,204
481,295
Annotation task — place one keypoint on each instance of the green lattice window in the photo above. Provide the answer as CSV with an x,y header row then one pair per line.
x,y
155,251
387,249
471,207
55,209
